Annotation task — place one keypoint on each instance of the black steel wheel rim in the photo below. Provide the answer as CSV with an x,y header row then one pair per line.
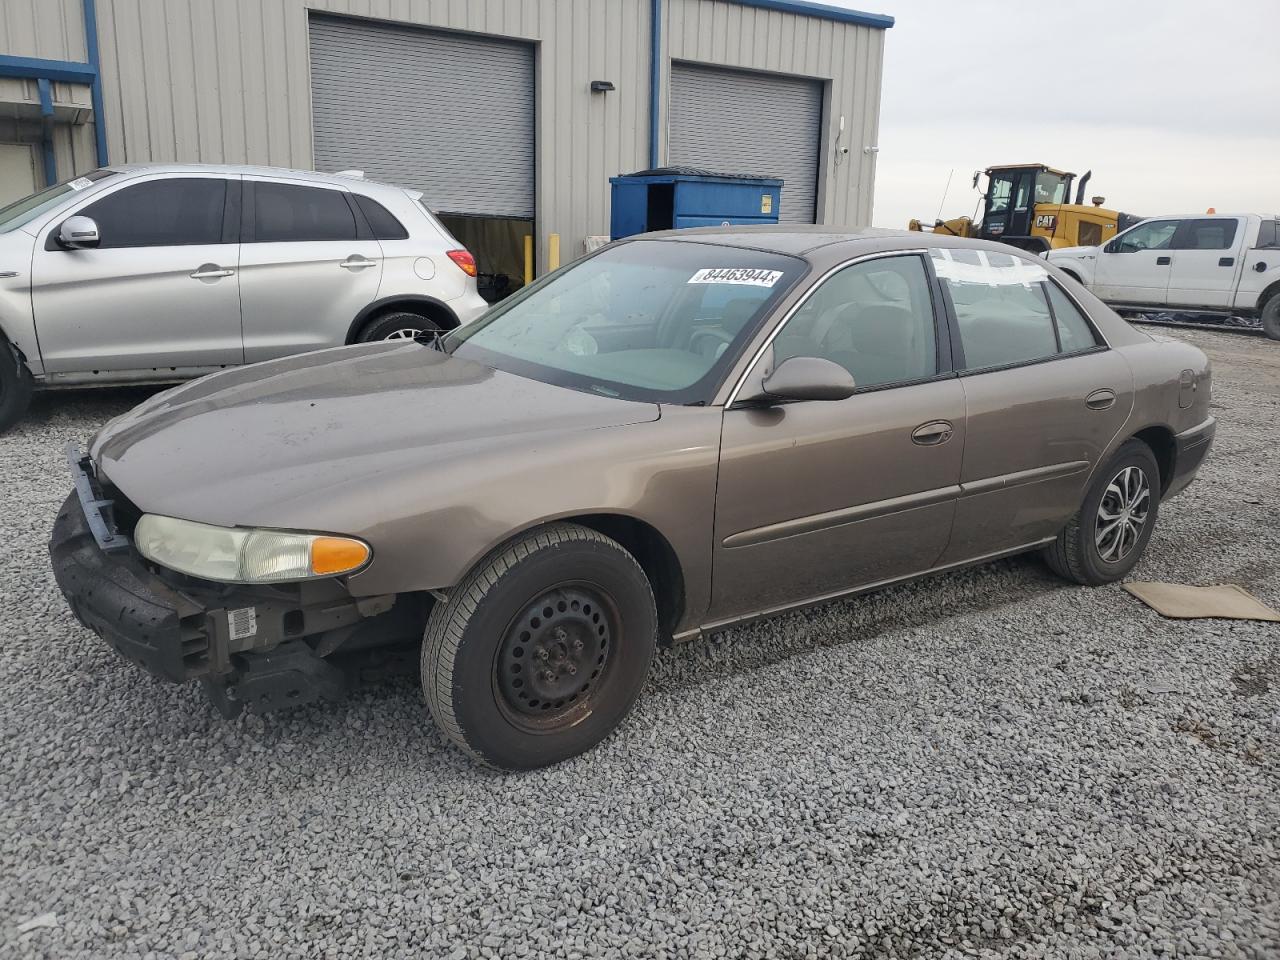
x,y
555,656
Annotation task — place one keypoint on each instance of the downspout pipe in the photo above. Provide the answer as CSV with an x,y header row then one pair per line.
x,y
655,77
95,89
46,131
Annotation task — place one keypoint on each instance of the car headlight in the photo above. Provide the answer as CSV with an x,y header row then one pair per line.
x,y
241,555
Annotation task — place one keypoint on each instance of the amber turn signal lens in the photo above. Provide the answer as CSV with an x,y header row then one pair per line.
x,y
333,555
463,259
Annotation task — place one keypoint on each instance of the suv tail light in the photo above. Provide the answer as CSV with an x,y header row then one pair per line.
x,y
464,260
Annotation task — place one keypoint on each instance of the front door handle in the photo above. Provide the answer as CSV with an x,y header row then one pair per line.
x,y
357,262
1226,261
1163,261
211,271
932,433
1101,399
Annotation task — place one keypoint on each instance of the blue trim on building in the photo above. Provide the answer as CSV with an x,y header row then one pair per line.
x,y
46,72
45,87
807,9
91,47
655,77
33,68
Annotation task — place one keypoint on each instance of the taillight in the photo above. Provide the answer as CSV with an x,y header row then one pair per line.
x,y
464,260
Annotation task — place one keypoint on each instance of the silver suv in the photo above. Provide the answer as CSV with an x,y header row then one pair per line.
x,y
152,274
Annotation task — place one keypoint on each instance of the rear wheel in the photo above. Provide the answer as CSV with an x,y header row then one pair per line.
x,y
1107,537
1271,317
15,388
542,650
400,325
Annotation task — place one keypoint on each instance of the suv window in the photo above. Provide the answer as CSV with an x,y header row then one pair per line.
x,y
1152,235
382,221
1002,307
173,212
284,211
874,318
1216,234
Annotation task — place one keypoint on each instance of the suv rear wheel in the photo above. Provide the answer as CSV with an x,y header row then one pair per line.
x,y
15,387
543,648
400,325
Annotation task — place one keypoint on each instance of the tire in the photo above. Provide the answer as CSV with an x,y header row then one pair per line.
x,y
400,325
1271,317
1084,551
15,388
592,650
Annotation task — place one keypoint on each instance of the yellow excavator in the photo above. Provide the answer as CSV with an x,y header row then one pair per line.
x,y
1028,205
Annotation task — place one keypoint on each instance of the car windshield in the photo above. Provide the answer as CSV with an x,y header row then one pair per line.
x,y
646,320
28,208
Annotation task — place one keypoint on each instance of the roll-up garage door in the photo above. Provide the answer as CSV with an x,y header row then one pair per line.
x,y
766,125
450,114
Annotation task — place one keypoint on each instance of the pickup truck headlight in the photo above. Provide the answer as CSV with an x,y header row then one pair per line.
x,y
242,555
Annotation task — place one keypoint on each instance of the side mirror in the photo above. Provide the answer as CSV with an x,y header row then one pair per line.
x,y
78,232
808,378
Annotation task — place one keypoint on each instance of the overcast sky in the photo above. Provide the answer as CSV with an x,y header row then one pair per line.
x,y
1174,104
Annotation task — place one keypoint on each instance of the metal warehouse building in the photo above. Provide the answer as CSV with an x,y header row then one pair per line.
x,y
510,115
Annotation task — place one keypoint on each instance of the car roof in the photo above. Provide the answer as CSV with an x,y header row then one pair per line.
x,y
804,240
284,173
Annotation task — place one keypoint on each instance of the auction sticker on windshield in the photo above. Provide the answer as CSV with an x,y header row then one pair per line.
x,y
744,275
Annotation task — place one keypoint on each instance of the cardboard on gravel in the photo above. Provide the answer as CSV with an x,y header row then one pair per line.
x,y
1183,602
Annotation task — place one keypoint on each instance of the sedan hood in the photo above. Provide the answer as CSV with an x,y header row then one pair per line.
x,y
262,444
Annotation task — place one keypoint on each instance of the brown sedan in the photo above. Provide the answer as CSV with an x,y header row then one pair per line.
x,y
680,432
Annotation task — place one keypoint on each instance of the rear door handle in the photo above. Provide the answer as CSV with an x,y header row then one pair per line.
x,y
211,271
357,262
1102,399
1226,261
932,433
1163,261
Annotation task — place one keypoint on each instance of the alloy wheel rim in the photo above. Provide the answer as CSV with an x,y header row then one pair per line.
x,y
1122,514
554,656
404,333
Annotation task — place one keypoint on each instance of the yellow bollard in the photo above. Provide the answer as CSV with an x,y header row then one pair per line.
x,y
528,259
553,251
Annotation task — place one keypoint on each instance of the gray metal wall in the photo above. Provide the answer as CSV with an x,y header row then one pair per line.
x,y
848,57
229,80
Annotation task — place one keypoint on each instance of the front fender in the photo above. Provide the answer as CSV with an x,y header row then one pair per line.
x,y
17,322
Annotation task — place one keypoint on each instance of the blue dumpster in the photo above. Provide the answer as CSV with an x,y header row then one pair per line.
x,y
676,197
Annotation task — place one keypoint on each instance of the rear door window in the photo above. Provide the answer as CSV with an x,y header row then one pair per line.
x,y
1002,309
173,212
1216,234
284,211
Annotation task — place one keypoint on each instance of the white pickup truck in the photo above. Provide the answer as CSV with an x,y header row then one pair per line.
x,y
1214,264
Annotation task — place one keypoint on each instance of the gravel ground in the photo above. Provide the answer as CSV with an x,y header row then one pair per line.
x,y
988,763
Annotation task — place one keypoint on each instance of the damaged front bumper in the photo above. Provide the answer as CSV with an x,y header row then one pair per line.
x,y
258,646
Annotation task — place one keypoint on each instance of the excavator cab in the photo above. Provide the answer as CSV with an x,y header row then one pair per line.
x,y
1013,193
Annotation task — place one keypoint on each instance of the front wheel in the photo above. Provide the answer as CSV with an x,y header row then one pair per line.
x,y
542,650
1271,317
1106,538
15,388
